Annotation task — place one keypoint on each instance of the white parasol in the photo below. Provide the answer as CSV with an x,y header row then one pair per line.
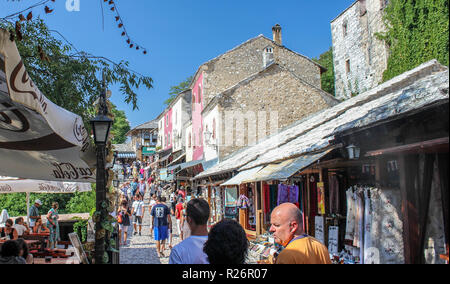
x,y
38,139
16,185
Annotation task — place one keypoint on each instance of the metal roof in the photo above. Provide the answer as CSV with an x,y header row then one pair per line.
x,y
286,169
413,90
241,177
126,155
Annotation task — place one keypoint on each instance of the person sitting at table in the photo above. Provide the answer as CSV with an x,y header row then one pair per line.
x,y
40,228
24,251
22,229
10,253
8,232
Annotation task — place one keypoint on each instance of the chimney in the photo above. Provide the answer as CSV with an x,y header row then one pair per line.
x,y
276,30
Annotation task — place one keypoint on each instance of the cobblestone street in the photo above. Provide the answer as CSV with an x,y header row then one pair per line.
x,y
142,249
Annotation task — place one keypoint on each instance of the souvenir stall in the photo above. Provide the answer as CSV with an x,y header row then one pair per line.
x,y
397,205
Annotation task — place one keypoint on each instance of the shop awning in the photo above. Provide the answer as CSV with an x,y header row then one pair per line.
x,y
16,185
164,158
205,164
242,177
285,169
174,162
178,168
38,139
126,155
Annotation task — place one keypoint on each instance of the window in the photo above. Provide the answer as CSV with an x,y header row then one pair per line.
x,y
344,29
214,129
190,141
199,94
167,120
193,102
347,66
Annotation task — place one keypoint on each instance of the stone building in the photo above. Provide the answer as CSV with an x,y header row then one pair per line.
x,y
257,107
143,139
360,58
238,65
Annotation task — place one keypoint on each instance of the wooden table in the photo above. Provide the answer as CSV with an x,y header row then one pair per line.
x,y
42,238
72,260
28,242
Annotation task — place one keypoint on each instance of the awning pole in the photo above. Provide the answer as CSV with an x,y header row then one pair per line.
x,y
28,208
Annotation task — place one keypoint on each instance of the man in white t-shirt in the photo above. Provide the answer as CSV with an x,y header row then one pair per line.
x,y
190,251
138,212
20,227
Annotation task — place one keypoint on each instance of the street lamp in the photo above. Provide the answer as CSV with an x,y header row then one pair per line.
x,y
101,125
353,152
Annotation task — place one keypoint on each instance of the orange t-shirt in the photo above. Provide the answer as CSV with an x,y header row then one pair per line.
x,y
307,250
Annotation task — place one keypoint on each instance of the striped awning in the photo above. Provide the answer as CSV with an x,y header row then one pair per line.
x,y
126,155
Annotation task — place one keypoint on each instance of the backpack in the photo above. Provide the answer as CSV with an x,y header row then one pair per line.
x,y
120,218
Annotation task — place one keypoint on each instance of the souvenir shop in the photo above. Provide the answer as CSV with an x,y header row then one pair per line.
x,y
396,200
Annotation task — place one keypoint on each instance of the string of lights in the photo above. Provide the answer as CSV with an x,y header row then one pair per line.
x,y
118,18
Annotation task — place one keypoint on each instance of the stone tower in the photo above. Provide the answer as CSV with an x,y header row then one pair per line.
x,y
360,58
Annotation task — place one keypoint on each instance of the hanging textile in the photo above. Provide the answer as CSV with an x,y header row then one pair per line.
x,y
321,198
273,196
334,194
374,226
243,202
287,194
313,199
350,227
266,192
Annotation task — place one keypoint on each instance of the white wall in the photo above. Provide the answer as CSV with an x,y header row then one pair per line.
x,y
211,152
189,150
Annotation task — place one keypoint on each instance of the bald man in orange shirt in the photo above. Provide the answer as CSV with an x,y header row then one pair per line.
x,y
287,229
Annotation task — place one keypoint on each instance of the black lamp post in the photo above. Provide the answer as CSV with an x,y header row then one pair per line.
x,y
101,125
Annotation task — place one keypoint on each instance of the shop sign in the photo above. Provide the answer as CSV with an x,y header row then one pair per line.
x,y
147,151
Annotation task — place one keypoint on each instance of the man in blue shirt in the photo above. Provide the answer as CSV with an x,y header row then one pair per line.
x,y
161,222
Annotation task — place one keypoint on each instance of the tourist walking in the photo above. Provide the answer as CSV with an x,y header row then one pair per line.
x,y
141,187
123,218
53,225
185,230
190,251
287,228
227,243
178,209
161,221
138,212
34,212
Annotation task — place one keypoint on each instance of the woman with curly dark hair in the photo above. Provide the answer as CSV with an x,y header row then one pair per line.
x,y
227,243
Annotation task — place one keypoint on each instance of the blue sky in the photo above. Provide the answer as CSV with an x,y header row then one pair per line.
x,y
180,35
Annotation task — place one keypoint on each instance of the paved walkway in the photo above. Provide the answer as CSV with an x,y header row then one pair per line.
x,y
142,249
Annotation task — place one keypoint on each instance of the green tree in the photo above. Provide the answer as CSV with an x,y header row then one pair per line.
x,y
327,78
175,90
82,202
417,31
120,127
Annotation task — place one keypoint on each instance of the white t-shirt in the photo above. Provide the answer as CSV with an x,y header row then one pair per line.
x,y
20,229
138,207
189,251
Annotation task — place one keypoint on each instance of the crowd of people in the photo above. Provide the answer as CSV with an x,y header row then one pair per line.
x,y
225,243
14,250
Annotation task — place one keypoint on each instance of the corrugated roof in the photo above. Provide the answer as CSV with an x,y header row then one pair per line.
x,y
286,169
242,176
414,89
123,148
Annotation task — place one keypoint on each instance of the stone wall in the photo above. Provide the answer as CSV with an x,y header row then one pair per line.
x,y
274,99
358,47
242,62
